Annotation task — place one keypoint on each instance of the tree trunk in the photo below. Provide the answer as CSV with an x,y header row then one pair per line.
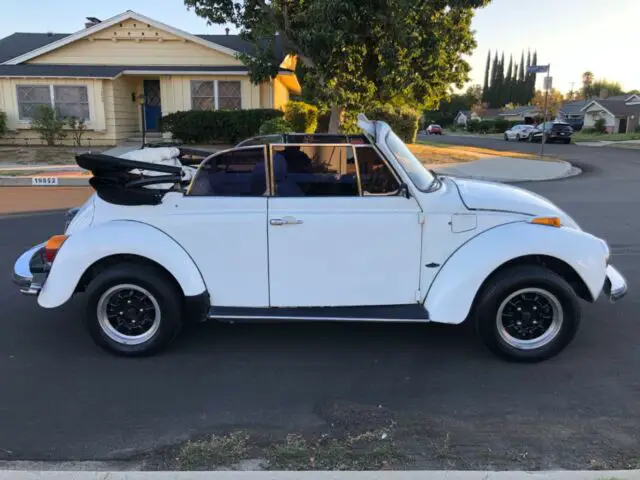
x,y
335,120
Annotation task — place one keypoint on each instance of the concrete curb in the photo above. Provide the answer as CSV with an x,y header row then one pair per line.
x,y
392,475
510,170
6,181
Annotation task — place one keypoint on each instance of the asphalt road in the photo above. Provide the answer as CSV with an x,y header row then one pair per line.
x,y
61,398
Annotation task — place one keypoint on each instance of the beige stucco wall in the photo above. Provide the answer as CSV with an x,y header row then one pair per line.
x,y
175,91
135,45
99,131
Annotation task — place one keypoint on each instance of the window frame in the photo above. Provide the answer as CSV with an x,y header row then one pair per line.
x,y
271,176
216,94
52,98
267,162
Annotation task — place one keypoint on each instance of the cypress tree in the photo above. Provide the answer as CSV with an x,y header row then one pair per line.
x,y
485,86
531,92
493,89
508,83
520,83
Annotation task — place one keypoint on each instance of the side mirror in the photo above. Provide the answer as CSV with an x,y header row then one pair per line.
x,y
404,190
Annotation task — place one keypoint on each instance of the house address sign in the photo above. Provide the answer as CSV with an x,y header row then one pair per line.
x,y
44,181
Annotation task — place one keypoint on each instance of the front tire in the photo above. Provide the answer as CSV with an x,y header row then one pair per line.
x,y
133,310
527,314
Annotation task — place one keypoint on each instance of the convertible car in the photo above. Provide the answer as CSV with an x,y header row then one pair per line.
x,y
316,227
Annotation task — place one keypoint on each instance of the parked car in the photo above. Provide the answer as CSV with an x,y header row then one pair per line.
x,y
434,129
518,132
316,227
553,131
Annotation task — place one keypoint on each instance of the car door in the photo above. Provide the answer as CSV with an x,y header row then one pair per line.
x,y
340,231
221,223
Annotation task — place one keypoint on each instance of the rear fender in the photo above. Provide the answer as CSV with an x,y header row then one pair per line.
x,y
120,237
452,292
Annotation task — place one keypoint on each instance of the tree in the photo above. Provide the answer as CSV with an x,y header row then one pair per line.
x,y
554,101
508,83
635,91
485,85
587,84
354,52
449,108
491,99
612,88
520,85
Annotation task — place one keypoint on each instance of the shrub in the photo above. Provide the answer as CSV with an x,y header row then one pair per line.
x,y
302,117
600,125
48,125
78,128
637,129
501,125
228,126
402,120
588,130
275,125
3,124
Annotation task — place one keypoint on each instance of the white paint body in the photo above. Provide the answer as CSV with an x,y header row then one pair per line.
x,y
435,248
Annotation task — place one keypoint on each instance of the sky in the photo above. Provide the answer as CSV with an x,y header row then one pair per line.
x,y
571,35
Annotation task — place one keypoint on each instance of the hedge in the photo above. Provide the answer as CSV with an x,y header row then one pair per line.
x,y
211,126
302,116
402,120
275,125
491,126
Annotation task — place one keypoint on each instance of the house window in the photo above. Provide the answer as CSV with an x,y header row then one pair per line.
x,y
68,101
216,95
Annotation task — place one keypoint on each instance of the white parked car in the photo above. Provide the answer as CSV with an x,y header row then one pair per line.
x,y
519,132
318,227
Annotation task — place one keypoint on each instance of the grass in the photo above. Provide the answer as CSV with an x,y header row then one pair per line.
x,y
213,452
20,173
438,153
610,137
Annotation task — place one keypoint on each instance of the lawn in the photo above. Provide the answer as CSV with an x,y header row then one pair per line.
x,y
607,137
439,153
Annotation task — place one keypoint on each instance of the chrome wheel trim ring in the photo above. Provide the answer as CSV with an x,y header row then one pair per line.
x,y
549,333
111,331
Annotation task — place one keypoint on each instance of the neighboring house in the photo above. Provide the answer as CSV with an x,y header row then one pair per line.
x,y
620,116
526,114
465,116
571,113
99,73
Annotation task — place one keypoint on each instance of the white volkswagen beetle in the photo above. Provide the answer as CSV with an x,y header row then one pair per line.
x,y
318,227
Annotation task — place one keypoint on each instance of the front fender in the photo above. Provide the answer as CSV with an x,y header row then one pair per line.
x,y
454,288
119,237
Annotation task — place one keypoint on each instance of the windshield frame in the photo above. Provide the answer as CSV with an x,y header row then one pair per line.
x,y
410,165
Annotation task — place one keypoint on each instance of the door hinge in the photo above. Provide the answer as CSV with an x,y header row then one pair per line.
x,y
421,218
418,295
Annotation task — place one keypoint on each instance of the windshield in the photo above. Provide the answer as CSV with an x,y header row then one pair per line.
x,y
420,176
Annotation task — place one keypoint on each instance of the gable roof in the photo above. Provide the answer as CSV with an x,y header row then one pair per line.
x,y
43,47
573,108
519,110
20,43
614,107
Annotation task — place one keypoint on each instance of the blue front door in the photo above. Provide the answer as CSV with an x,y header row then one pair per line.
x,y
152,106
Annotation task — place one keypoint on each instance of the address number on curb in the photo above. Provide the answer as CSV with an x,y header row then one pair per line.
x,y
44,181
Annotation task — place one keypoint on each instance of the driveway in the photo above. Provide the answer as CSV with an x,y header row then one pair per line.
x,y
62,398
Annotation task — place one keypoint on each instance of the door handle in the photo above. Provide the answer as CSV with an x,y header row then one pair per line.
x,y
277,222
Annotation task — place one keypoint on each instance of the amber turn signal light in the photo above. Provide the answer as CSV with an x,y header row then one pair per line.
x,y
52,246
549,221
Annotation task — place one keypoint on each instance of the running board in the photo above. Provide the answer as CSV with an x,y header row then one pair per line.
x,y
377,313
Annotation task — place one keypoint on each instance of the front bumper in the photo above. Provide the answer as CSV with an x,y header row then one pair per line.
x,y
30,271
615,286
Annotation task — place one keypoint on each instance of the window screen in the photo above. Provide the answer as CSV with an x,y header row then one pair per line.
x,y
314,170
30,98
71,102
229,95
202,96
235,173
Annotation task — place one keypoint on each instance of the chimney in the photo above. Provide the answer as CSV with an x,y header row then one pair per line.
x,y
92,21
604,93
227,30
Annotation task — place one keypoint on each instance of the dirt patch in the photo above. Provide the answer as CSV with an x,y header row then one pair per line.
x,y
34,199
26,155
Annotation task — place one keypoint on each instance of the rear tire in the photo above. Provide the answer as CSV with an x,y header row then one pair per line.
x,y
133,310
527,314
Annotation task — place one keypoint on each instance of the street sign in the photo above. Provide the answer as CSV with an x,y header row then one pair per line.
x,y
538,69
548,81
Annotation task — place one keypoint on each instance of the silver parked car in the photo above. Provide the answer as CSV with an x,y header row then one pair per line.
x,y
518,132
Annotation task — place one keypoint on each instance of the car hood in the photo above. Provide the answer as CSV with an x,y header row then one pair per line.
x,y
481,195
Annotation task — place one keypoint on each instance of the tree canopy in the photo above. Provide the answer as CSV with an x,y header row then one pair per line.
x,y
356,52
554,101
512,84
593,88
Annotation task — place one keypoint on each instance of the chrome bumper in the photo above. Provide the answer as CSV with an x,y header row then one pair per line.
x,y
29,283
615,286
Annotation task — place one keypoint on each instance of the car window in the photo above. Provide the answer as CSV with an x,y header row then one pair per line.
x,y
420,176
240,172
304,170
376,177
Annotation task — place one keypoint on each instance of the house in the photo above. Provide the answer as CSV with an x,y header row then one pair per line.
x,y
527,114
464,116
571,113
620,114
100,73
